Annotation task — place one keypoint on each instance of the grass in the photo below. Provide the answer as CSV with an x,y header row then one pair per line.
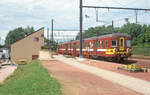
x,y
30,79
142,49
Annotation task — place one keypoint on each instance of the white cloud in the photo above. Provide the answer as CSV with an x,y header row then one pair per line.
x,y
38,13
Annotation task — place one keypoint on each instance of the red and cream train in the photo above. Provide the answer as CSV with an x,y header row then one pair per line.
x,y
116,46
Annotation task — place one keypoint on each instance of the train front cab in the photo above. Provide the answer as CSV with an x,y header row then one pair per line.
x,y
122,49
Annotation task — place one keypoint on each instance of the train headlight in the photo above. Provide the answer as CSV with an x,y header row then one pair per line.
x,y
115,49
128,50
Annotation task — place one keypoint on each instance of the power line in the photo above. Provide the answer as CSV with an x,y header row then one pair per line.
x,y
130,16
62,28
136,9
120,8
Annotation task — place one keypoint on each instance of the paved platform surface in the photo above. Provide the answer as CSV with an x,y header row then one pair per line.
x,y
75,81
6,71
111,66
135,84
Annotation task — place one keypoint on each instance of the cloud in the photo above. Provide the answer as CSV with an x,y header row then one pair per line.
x,y
38,13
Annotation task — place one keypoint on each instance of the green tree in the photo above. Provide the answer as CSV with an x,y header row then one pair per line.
x,y
17,34
1,46
96,31
142,38
135,30
48,44
139,33
147,35
28,30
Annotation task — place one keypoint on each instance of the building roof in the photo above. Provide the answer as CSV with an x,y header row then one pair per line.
x,y
3,49
28,35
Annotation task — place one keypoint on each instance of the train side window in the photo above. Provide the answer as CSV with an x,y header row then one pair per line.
x,y
91,44
101,43
113,43
95,44
78,46
106,44
86,44
98,44
74,46
128,43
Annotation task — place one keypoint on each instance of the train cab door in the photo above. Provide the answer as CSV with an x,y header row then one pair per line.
x,y
121,43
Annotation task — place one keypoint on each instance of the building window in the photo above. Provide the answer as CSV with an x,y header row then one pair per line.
x,y
42,47
113,43
42,35
128,43
106,44
36,39
35,57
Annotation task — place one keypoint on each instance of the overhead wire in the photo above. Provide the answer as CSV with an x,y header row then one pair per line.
x,y
65,37
130,16
124,6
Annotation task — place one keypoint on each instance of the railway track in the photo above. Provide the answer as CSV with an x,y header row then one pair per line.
x,y
140,62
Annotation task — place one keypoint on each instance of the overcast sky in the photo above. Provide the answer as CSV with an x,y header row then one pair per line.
x,y
38,13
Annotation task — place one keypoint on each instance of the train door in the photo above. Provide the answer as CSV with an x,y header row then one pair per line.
x,y
66,49
74,49
69,48
121,43
95,47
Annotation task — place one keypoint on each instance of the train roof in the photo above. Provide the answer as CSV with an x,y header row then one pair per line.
x,y
108,35
103,36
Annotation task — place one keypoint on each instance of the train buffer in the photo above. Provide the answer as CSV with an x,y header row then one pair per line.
x,y
132,68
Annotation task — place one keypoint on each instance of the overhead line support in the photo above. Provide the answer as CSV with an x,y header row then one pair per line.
x,y
81,23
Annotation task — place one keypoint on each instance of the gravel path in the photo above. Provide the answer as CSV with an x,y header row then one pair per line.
x,y
6,71
75,81
135,84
